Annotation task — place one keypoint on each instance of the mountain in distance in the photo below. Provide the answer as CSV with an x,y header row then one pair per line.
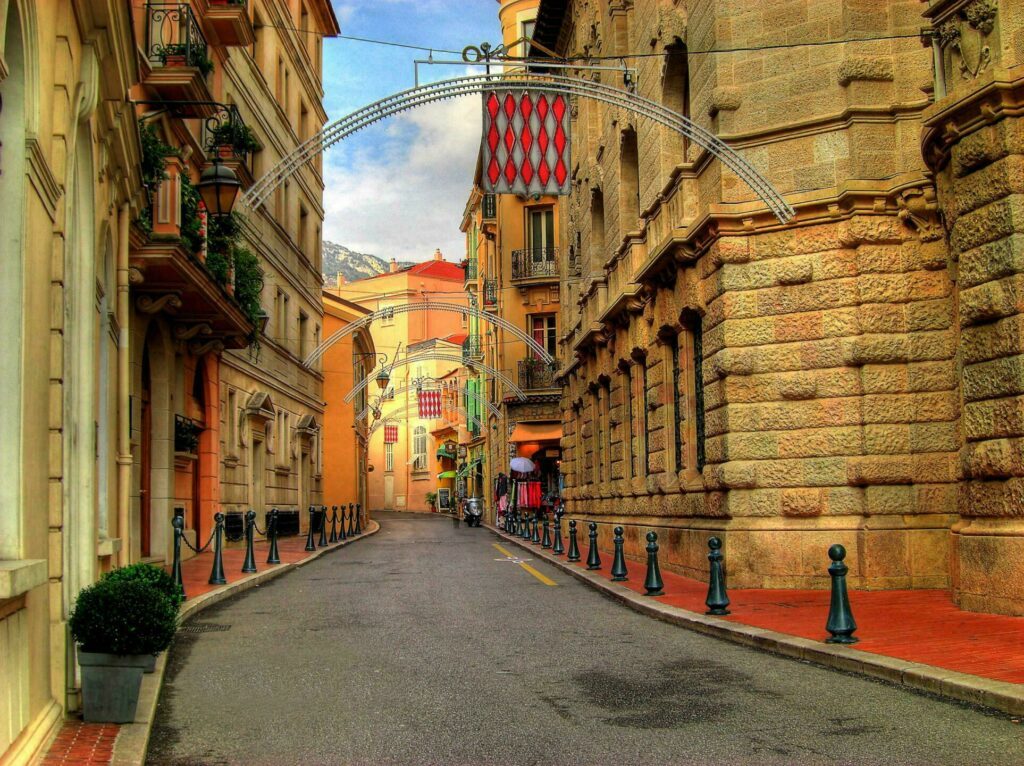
x,y
352,265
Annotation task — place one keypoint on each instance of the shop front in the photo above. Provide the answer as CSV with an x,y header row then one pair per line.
x,y
533,477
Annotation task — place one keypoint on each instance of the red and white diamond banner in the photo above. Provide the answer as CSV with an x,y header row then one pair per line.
x,y
429,404
526,142
390,434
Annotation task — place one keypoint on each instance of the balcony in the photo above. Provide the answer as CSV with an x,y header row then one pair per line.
x,y
472,269
490,294
472,349
178,58
227,138
489,207
228,23
535,265
535,374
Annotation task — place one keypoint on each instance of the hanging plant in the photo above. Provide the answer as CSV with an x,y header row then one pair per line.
x,y
191,224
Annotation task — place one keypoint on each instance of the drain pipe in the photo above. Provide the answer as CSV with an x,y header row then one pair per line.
x,y
124,446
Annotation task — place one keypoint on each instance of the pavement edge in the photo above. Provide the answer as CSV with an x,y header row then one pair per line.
x,y
998,695
133,739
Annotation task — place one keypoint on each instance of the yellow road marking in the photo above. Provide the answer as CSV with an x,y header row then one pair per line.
x,y
527,567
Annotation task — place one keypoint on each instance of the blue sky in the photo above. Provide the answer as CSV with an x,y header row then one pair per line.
x,y
398,188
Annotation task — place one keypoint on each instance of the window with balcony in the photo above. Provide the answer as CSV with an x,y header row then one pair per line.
x,y
539,257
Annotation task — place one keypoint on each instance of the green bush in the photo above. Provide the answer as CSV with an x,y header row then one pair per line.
x,y
123,616
150,575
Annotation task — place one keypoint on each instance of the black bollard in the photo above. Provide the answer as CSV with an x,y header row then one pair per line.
x,y
323,527
558,548
178,523
342,535
653,583
351,520
546,540
535,536
249,565
574,546
334,525
619,572
273,556
310,544
593,557
717,600
359,519
217,572
840,618
527,526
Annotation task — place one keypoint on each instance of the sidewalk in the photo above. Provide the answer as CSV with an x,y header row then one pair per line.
x,y
107,743
971,656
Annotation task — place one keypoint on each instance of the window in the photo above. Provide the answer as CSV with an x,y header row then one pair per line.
x,y
676,96
280,81
629,179
628,421
540,233
597,256
419,448
544,329
389,457
303,327
232,424
281,309
388,319
303,230
259,41
316,345
304,131
641,401
595,435
606,427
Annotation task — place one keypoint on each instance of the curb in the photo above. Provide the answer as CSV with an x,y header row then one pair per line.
x,y
998,695
133,739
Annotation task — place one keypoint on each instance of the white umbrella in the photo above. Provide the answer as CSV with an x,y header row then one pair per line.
x,y
521,464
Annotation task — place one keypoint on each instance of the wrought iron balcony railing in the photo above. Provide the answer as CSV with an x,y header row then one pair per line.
x,y
226,136
535,374
534,263
173,37
472,348
490,207
490,293
472,269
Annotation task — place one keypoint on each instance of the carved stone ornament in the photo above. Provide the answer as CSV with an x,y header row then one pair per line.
x,y
919,209
188,332
149,304
964,36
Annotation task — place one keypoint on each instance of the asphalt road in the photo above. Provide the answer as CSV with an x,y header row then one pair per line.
x,y
423,645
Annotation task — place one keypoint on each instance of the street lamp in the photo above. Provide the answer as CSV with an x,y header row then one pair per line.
x,y
218,186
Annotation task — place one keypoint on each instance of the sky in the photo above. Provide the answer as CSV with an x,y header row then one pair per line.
x,y
398,188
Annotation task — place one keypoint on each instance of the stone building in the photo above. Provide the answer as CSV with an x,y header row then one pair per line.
x,y
848,377
70,184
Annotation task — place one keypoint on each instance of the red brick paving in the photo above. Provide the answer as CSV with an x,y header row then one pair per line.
x,y
85,744
82,743
914,625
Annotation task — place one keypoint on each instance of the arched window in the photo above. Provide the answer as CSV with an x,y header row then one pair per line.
x,y
419,448
676,96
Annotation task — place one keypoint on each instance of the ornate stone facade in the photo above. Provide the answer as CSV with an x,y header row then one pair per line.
x,y
824,381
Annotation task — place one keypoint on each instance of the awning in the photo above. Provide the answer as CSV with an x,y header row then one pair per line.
x,y
536,432
442,452
446,475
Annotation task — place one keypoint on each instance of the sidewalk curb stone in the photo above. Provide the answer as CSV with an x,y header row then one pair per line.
x,y
999,695
133,739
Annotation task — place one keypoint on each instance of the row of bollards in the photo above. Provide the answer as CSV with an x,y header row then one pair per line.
x,y
354,527
840,623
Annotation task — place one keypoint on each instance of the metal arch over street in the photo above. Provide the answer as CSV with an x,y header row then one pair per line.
x,y
463,391
408,413
389,311
475,84
436,357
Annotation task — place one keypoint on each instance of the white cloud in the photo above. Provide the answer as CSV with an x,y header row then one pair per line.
x,y
403,195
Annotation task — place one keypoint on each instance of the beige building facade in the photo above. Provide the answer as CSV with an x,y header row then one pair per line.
x,y
847,377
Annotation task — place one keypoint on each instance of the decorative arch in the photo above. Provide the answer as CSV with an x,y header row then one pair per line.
x,y
463,391
438,357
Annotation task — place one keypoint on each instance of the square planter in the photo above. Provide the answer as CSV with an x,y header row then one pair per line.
x,y
110,685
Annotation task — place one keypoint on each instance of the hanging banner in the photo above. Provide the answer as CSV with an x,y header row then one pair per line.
x,y
526,142
390,434
429,404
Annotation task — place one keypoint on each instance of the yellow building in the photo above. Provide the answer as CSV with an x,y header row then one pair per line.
x,y
401,473
513,251
71,184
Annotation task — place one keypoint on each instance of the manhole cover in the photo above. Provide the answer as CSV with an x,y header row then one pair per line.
x,y
203,627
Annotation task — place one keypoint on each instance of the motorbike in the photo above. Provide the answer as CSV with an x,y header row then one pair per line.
x,y
473,511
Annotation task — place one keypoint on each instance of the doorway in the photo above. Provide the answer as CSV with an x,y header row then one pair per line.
x,y
389,493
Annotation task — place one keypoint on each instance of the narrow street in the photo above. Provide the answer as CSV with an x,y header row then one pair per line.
x,y
425,645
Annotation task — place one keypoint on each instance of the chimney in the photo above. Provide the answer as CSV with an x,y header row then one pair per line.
x,y
437,255
394,266
341,279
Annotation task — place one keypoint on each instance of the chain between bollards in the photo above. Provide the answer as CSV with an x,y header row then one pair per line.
x,y
593,556
717,600
653,583
840,621
619,572
217,572
178,523
249,565
574,546
273,557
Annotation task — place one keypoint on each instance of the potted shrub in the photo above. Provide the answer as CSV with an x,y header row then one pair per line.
x,y
118,625
432,501
154,577
174,55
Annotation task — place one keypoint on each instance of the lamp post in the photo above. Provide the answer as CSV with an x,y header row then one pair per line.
x,y
383,377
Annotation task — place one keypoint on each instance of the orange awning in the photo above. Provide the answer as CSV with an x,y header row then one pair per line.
x,y
536,432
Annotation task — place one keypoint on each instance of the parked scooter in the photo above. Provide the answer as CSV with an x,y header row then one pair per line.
x,y
473,511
